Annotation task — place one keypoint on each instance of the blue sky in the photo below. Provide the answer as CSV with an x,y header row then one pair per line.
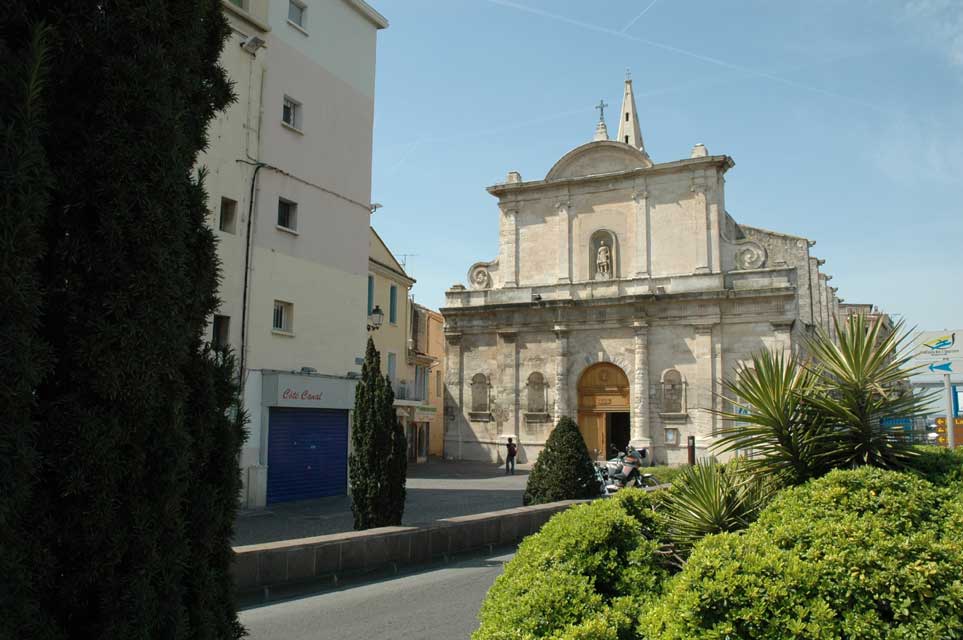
x,y
845,120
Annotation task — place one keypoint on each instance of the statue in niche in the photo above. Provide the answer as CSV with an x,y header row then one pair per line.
x,y
603,262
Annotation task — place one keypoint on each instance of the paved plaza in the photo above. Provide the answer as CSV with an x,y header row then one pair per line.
x,y
438,489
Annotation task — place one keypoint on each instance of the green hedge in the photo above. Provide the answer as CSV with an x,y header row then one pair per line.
x,y
856,554
938,465
581,572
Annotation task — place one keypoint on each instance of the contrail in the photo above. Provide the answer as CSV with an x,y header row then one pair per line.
x,y
690,54
636,18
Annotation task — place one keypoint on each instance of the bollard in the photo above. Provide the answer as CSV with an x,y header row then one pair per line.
x,y
691,450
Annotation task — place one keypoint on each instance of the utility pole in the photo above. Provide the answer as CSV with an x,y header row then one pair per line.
x,y
950,418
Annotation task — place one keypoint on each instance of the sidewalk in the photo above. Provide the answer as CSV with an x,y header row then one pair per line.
x,y
435,490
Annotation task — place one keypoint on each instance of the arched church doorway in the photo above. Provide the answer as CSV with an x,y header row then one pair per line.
x,y
603,409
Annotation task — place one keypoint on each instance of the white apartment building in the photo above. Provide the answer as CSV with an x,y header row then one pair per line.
x,y
289,182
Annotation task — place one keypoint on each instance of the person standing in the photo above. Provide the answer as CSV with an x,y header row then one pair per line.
x,y
510,458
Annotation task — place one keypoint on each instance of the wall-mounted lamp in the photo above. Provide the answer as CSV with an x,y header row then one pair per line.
x,y
375,318
374,206
252,43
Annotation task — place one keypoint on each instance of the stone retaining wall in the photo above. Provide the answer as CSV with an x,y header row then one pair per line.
x,y
282,566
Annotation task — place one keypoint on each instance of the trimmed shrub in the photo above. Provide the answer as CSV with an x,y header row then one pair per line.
x,y
856,554
938,465
575,571
665,474
563,470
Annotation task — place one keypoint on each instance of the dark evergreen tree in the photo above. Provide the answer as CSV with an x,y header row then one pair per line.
x,y
24,186
131,457
378,463
564,470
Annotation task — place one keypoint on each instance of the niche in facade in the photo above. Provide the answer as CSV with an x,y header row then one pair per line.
x,y
536,399
480,398
603,255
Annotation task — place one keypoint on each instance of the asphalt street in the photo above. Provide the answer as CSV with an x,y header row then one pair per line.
x,y
439,489
440,603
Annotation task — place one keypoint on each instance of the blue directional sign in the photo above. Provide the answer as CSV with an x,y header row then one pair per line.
x,y
944,366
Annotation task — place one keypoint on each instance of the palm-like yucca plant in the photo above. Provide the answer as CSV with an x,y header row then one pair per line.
x,y
774,423
859,384
711,498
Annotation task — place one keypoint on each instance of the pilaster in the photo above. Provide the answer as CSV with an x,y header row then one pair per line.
x,y
703,247
708,353
564,221
455,383
507,391
509,241
641,200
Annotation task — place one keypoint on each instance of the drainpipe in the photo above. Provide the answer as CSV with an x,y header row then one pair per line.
x,y
247,268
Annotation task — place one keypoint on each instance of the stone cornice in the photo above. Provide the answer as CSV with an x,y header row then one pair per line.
x,y
722,162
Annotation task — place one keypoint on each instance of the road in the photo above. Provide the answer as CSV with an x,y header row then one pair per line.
x,y
435,490
439,603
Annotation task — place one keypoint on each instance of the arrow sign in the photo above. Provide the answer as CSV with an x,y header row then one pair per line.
x,y
945,366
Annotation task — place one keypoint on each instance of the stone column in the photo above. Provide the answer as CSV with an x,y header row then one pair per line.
x,y
701,206
641,429
564,245
641,199
455,385
509,242
561,374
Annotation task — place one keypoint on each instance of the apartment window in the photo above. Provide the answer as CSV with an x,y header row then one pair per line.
x,y
392,366
393,305
297,13
287,214
239,3
283,317
438,383
370,294
221,332
291,113
228,221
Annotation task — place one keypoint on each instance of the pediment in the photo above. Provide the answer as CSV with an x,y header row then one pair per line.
x,y
594,158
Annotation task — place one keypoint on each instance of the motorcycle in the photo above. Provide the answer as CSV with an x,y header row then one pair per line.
x,y
624,470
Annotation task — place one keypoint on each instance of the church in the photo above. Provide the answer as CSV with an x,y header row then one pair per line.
x,y
622,294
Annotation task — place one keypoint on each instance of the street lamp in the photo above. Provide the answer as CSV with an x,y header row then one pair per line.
x,y
375,318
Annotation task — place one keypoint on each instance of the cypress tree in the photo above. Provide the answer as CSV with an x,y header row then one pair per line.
x,y
131,455
378,462
563,470
24,356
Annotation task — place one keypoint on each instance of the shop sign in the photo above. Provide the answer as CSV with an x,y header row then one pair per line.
x,y
315,392
425,413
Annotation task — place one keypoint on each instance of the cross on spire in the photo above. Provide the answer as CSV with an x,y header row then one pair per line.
x,y
601,107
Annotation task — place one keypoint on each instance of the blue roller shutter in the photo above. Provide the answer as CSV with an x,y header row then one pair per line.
x,y
307,454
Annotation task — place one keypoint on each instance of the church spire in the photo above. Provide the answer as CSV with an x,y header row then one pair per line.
x,y
629,131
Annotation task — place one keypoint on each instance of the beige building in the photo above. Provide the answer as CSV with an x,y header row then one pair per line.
x,y
429,342
407,366
292,221
622,293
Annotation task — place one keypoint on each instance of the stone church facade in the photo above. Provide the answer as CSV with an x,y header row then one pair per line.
x,y
622,294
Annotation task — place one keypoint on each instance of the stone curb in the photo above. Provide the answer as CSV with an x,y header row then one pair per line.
x,y
271,570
